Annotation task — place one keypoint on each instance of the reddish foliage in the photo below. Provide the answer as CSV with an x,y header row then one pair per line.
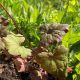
x,y
69,69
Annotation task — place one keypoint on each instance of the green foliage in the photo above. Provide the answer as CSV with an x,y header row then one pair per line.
x,y
30,14
54,63
13,45
72,41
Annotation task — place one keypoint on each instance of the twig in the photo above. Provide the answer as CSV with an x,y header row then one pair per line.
x,y
9,16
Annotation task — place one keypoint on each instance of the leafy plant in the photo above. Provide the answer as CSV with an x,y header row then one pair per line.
x,y
25,18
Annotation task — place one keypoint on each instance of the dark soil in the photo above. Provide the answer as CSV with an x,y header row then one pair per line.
x,y
9,72
7,69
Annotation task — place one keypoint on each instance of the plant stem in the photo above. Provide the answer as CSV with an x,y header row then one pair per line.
x,y
9,16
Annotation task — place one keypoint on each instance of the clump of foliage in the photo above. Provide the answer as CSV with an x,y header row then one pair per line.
x,y
56,59
29,15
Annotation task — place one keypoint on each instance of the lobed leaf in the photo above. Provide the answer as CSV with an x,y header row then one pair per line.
x,y
13,44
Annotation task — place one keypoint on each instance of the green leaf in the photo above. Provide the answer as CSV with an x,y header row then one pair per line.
x,y
12,42
78,69
74,76
70,38
77,56
55,62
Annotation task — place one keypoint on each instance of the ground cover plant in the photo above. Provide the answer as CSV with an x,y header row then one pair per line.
x,y
39,40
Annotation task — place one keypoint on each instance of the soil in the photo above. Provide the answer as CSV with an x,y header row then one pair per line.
x,y
9,72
